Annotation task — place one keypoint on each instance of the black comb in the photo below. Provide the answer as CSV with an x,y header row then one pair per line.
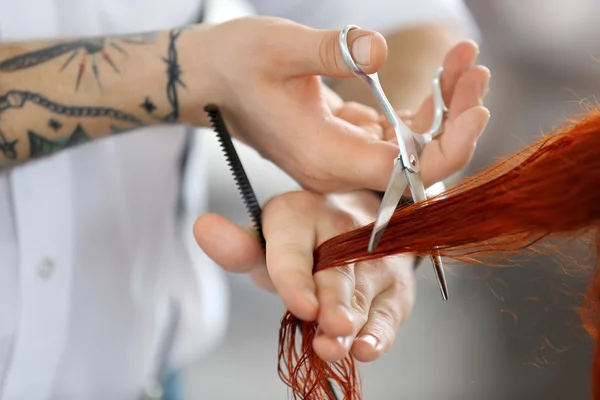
x,y
237,169
242,182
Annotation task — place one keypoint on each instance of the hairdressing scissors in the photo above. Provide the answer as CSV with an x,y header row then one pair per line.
x,y
407,165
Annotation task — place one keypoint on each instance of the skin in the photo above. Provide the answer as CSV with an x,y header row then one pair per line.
x,y
266,84
358,308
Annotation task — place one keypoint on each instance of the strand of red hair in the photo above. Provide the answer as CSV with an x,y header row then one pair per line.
x,y
549,189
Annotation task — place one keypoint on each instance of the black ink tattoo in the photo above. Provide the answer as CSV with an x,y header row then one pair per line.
x,y
39,146
148,105
8,147
54,125
173,77
88,47
17,99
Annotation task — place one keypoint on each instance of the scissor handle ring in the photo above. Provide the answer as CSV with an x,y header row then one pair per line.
x,y
343,40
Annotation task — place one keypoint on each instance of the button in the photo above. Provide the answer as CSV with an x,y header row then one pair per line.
x,y
46,268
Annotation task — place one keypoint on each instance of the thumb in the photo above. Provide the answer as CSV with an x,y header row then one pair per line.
x,y
318,52
234,248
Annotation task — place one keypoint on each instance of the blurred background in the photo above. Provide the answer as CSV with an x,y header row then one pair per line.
x,y
512,335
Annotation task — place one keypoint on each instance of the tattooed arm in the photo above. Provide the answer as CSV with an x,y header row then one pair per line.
x,y
54,95
262,72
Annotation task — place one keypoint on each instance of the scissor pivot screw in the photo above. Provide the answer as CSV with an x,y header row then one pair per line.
x,y
413,160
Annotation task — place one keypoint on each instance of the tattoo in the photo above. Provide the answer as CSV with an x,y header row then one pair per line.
x,y
8,147
148,105
96,49
173,77
17,99
54,125
87,47
39,146
173,81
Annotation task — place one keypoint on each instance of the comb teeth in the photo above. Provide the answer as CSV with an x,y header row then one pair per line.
x,y
235,166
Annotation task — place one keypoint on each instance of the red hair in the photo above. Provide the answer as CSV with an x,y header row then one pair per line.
x,y
549,189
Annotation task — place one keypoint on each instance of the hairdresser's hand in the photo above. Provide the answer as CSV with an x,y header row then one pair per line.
x,y
358,308
464,86
267,82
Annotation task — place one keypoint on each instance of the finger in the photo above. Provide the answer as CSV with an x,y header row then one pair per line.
x,y
365,162
373,130
335,287
233,248
357,113
308,51
389,133
370,279
331,348
460,58
388,311
236,249
290,238
453,151
261,278
457,61
470,90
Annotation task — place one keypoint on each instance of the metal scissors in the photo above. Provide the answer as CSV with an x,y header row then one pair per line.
x,y
407,165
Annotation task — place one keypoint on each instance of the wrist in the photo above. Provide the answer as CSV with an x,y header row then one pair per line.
x,y
192,77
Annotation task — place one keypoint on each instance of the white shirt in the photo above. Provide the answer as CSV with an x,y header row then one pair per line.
x,y
91,250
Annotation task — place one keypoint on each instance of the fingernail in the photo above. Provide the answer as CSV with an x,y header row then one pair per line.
x,y
485,88
361,50
370,340
344,341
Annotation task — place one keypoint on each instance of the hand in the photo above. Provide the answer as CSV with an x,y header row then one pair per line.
x,y
378,294
464,87
358,308
268,84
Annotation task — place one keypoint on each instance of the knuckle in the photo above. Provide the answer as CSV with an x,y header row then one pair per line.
x,y
345,273
362,298
360,304
328,54
388,318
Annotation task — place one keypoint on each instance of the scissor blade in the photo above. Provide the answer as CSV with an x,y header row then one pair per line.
x,y
417,190
438,267
391,198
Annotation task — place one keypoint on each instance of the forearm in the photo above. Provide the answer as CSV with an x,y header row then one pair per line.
x,y
413,56
54,95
